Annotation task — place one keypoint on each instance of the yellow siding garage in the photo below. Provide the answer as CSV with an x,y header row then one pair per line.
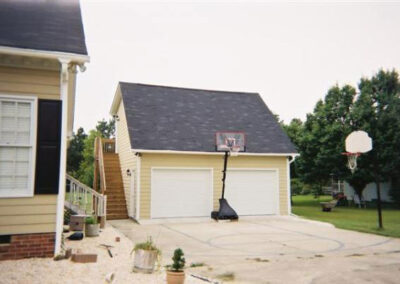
x,y
215,162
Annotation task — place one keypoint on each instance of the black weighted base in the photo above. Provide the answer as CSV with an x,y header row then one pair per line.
x,y
225,211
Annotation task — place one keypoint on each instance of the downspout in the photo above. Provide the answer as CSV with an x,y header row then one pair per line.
x,y
138,169
289,189
63,154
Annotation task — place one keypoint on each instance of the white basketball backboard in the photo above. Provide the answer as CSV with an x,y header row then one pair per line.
x,y
358,142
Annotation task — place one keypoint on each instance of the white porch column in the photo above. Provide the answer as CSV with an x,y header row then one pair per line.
x,y
63,153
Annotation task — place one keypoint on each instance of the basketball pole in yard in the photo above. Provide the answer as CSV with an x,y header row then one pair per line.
x,y
378,202
357,143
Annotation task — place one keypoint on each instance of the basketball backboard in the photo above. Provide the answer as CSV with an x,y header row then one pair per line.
x,y
226,141
358,142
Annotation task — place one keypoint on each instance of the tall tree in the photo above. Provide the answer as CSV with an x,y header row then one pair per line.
x,y
104,129
75,151
323,137
295,131
376,111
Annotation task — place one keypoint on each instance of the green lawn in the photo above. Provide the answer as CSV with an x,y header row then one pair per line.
x,y
350,218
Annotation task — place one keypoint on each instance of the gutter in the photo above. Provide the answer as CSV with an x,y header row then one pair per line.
x,y
294,156
291,159
71,57
213,153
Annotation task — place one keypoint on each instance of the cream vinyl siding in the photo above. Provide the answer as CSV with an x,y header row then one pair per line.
x,y
28,215
127,158
34,214
216,163
44,84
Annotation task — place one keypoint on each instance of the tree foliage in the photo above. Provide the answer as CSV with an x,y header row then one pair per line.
x,y
81,150
75,150
375,108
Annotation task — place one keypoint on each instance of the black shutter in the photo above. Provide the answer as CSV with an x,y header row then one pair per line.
x,y
48,147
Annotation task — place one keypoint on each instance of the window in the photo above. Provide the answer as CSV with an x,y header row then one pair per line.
x,y
17,146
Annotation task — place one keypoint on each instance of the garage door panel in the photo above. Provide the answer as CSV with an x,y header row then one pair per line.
x,y
252,192
181,193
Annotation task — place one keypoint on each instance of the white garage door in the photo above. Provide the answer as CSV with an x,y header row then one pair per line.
x,y
181,193
252,192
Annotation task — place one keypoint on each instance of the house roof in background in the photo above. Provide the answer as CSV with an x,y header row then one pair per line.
x,y
180,119
42,25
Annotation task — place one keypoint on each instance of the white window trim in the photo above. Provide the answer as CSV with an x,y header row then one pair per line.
x,y
32,159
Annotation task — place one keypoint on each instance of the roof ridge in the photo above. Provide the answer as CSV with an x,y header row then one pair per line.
x,y
186,88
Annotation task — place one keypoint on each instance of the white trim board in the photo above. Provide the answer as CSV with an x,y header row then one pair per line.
x,y
79,58
144,151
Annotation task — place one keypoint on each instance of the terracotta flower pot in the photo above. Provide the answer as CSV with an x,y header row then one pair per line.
x,y
92,230
145,260
175,277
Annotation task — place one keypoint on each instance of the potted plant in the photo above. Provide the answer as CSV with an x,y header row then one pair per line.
x,y
146,255
175,272
92,227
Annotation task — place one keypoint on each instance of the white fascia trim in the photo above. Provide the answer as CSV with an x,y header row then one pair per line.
x,y
212,153
78,58
116,101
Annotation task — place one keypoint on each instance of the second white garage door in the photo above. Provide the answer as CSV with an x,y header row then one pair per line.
x,y
181,193
252,191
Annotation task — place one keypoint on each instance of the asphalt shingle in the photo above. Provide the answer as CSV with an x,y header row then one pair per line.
x,y
180,119
42,25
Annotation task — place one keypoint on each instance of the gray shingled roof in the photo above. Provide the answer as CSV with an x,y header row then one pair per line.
x,y
42,25
168,118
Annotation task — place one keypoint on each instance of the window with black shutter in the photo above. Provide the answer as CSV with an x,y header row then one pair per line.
x,y
48,147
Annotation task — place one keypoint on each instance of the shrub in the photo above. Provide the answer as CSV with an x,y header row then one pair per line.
x,y
91,220
178,261
296,186
147,245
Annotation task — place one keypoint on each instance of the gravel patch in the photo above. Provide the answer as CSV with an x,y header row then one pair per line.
x,y
46,270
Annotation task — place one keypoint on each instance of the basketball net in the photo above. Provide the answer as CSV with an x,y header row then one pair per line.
x,y
352,161
231,145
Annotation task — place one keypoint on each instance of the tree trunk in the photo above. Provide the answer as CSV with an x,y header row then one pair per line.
x,y
360,199
379,207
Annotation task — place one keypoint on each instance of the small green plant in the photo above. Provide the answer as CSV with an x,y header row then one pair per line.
x,y
227,276
197,264
91,220
178,261
147,245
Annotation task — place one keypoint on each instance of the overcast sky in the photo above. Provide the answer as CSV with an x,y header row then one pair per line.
x,y
290,53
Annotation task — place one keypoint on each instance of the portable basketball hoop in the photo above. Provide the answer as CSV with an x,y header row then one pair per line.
x,y
231,143
357,143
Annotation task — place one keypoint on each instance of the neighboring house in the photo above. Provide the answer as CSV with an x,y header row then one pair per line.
x,y
41,45
165,138
369,193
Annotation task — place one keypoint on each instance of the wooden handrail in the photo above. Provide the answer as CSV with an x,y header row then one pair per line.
x,y
101,146
103,186
81,196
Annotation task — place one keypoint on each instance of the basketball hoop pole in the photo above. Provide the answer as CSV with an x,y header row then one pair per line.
x,y
224,173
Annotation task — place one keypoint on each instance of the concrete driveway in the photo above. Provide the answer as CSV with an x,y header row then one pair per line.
x,y
273,250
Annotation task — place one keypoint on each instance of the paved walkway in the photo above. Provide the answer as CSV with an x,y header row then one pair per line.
x,y
274,250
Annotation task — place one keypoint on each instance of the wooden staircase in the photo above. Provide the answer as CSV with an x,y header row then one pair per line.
x,y
108,168
116,203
